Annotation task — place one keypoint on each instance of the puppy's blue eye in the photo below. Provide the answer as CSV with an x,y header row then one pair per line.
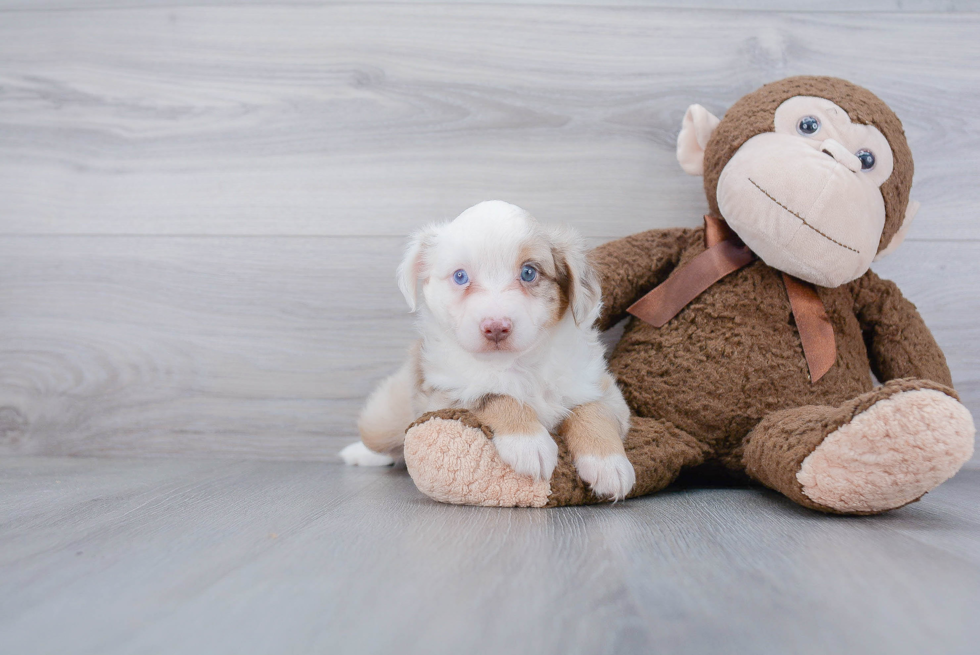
x,y
460,277
867,159
528,273
808,126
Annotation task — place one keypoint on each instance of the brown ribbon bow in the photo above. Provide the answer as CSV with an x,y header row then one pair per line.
x,y
725,253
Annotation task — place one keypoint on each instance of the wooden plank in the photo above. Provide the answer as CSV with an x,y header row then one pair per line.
x,y
370,119
132,556
154,346
952,504
265,347
892,6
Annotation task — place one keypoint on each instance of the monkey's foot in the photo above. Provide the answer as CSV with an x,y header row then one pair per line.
x,y
452,459
890,454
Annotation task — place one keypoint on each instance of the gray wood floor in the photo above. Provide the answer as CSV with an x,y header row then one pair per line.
x,y
107,556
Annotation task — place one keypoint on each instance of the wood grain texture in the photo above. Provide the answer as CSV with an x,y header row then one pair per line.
x,y
202,203
264,347
369,119
894,6
247,346
126,556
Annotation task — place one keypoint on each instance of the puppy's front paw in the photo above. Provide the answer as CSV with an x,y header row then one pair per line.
x,y
529,454
357,454
610,477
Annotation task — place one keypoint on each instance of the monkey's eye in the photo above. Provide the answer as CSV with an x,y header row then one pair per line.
x,y
460,277
529,273
867,159
808,126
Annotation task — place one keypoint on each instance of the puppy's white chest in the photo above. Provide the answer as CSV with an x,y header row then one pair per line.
x,y
550,392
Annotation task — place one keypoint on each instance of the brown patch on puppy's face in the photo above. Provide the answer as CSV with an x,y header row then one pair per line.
x,y
560,307
543,278
577,280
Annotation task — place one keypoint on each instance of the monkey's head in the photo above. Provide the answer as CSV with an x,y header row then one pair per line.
x,y
812,173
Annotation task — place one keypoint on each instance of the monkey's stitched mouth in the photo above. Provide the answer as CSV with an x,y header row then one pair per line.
x,y
828,238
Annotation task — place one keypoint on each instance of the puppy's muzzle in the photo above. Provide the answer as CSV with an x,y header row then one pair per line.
x,y
496,329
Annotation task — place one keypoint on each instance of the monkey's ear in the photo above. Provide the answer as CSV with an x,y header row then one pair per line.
x,y
910,212
696,129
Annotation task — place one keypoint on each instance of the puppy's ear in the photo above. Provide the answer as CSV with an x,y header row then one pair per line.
x,y
576,276
413,264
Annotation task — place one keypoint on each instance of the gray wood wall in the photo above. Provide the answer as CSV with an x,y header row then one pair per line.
x,y
202,202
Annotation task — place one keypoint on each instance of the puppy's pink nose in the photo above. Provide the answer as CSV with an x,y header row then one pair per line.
x,y
496,329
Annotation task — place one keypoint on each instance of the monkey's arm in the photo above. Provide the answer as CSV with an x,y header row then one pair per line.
x,y
631,266
898,341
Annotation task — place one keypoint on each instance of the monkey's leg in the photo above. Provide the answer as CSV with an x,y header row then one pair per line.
x,y
451,458
657,450
879,451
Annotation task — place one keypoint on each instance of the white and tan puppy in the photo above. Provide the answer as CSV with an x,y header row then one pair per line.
x,y
506,332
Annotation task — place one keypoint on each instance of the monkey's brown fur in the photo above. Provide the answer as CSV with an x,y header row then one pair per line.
x,y
725,382
733,356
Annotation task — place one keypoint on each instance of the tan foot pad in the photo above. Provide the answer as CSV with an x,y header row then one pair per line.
x,y
890,454
455,463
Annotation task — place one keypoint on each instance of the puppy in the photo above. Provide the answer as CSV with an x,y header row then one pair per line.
x,y
506,332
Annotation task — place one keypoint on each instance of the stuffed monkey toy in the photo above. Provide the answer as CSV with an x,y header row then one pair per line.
x,y
750,342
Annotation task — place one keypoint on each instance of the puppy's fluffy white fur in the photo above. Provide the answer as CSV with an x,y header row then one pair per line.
x,y
506,329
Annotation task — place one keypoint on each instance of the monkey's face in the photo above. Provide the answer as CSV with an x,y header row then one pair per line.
x,y
806,197
813,173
